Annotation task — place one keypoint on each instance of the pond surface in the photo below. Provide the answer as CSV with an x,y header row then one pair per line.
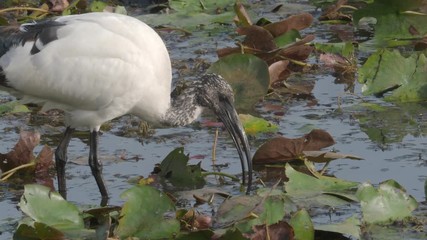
x,y
125,158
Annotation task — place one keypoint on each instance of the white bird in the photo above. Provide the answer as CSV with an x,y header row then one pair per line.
x,y
100,66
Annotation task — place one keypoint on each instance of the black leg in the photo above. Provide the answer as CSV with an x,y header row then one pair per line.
x,y
61,160
96,166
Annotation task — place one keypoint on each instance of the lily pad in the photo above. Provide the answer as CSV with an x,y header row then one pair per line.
x,y
175,170
248,75
143,214
388,203
350,226
302,225
398,78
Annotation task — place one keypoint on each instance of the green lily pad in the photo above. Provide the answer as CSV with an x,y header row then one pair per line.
x,y
302,225
345,49
388,203
175,170
248,75
247,211
48,207
143,214
395,21
350,226
402,78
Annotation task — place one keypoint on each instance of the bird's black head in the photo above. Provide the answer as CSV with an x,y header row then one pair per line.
x,y
213,92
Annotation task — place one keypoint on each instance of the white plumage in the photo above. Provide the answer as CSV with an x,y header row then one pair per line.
x,y
100,66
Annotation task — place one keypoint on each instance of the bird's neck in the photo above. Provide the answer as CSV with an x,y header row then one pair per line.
x,y
184,108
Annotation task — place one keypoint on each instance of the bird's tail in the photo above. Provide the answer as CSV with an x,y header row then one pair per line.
x,y
8,38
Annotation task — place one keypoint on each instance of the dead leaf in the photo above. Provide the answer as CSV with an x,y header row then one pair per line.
x,y
278,71
327,156
281,149
22,152
44,163
257,38
297,22
332,12
278,231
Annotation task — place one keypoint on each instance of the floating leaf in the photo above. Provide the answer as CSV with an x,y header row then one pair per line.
x,y
49,208
22,152
248,211
281,149
350,226
143,214
327,190
248,75
402,78
175,170
327,156
388,203
254,125
302,225
278,231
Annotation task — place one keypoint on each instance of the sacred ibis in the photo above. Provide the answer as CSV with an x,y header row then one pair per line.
x,y
99,66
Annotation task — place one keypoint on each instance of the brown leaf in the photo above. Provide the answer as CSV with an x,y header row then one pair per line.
x,y
278,71
326,156
21,153
297,22
332,12
278,231
317,139
43,165
281,149
257,38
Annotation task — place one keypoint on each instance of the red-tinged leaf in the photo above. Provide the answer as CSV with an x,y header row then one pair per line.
x,y
43,165
278,231
281,149
21,153
297,22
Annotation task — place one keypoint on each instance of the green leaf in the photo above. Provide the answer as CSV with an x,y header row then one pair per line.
x,y
13,107
97,6
287,38
302,225
351,226
403,78
248,75
345,49
303,184
248,211
143,214
388,203
47,207
393,22
254,125
192,6
174,169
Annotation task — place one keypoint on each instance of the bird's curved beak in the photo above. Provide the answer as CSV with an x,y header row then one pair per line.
x,y
228,115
